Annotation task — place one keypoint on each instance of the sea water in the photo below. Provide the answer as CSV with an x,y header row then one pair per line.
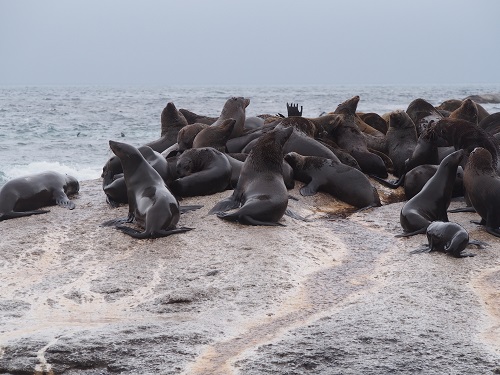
x,y
67,129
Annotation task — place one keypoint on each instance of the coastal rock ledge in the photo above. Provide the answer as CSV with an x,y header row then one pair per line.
x,y
335,295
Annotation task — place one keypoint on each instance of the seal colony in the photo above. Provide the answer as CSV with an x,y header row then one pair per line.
x,y
342,152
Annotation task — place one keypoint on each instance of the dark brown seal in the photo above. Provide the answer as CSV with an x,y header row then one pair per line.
x,y
215,136
482,184
423,114
234,108
339,180
432,202
261,197
401,140
23,196
151,204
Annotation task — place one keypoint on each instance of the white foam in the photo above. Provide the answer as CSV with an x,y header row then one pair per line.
x,y
80,173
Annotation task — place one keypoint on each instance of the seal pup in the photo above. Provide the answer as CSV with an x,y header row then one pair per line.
x,y
432,202
482,184
261,197
23,196
201,171
339,180
151,204
449,238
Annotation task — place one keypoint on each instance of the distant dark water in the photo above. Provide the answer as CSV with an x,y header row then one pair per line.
x,y
68,128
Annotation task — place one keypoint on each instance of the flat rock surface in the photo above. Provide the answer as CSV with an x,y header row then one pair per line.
x,y
338,294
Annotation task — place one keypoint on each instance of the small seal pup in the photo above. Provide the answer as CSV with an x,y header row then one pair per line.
x,y
201,171
447,237
431,203
339,180
151,204
23,196
261,195
482,184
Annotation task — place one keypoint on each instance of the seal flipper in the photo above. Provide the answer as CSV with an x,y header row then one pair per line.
x,y
392,185
308,190
419,231
62,200
14,214
463,209
245,219
423,249
193,207
479,244
115,222
224,205
296,216
156,234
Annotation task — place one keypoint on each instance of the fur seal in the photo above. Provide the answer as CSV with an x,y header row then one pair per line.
x,y
449,238
401,140
234,108
374,120
423,114
23,196
201,171
485,98
193,118
215,136
151,204
482,184
339,180
260,196
171,121
431,203
467,111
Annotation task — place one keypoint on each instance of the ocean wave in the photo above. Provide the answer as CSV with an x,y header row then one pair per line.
x,y
81,173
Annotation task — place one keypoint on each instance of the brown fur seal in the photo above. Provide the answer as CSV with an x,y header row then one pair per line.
x,y
432,202
201,171
261,197
401,140
193,118
374,120
449,238
301,124
346,134
171,121
467,111
23,196
482,184
423,114
339,180
234,108
215,136
151,204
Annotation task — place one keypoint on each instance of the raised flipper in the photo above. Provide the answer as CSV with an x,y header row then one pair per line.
x,y
309,189
389,184
193,207
13,214
419,231
293,109
245,219
224,205
463,209
157,234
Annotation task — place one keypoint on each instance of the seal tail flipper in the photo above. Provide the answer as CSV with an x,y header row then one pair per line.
x,y
308,190
114,222
423,249
464,255
245,219
479,244
392,185
193,207
14,214
419,231
295,215
156,234
224,205
463,209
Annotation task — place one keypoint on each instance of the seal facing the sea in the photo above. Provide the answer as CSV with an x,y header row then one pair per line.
x,y
260,197
151,204
23,196
482,184
339,180
431,203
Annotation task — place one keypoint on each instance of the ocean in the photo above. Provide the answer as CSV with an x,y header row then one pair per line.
x,y
67,129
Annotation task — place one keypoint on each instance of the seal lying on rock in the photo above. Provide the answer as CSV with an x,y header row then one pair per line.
x,y
260,196
23,196
151,204
449,238
431,203
339,180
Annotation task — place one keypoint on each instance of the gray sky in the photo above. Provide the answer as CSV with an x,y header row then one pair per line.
x,y
233,42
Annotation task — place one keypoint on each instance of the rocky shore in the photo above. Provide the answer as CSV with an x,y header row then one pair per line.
x,y
335,295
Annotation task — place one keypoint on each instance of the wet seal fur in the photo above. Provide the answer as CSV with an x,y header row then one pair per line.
x,y
482,184
449,238
23,196
261,197
151,204
339,180
201,171
432,202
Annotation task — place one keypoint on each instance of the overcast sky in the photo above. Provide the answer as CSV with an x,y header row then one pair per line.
x,y
233,42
